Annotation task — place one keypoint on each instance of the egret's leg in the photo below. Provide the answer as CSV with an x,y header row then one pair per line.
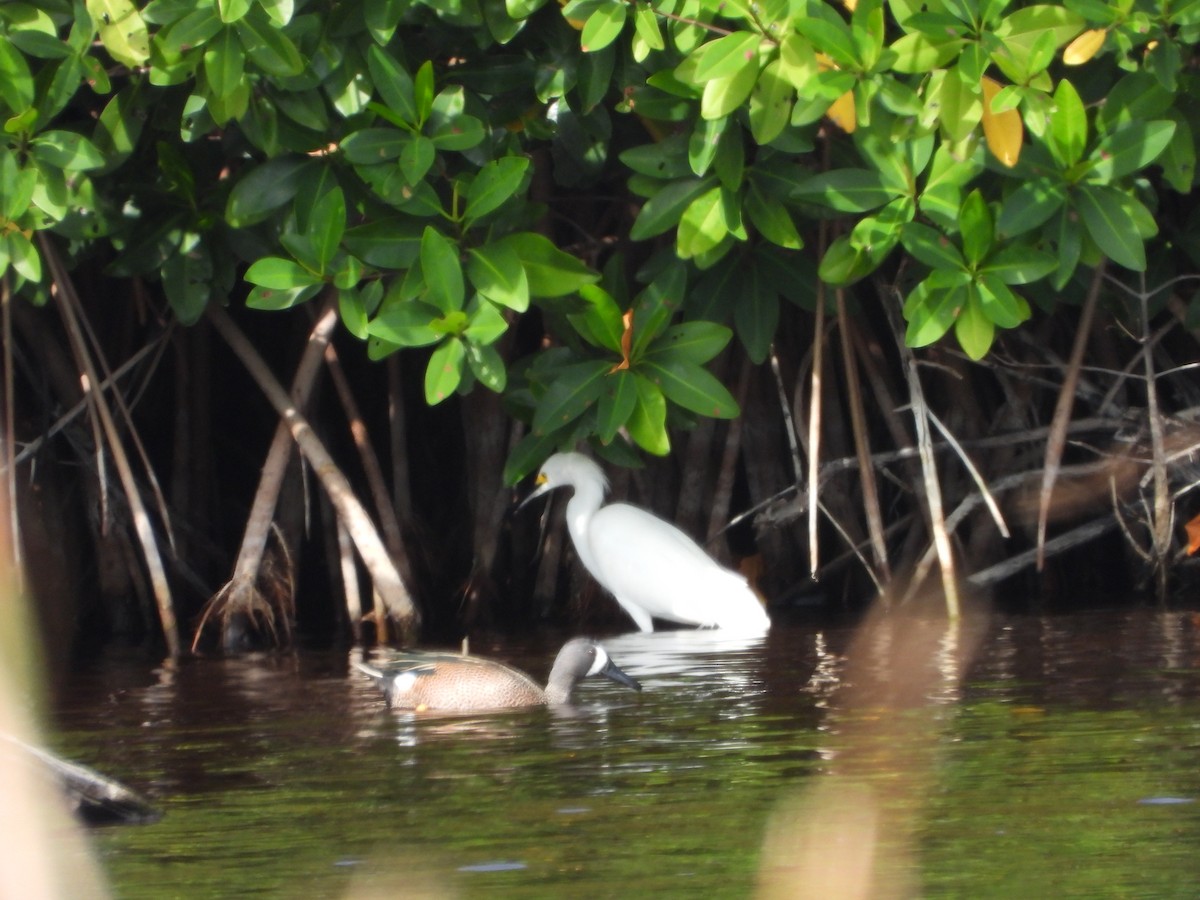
x,y
640,617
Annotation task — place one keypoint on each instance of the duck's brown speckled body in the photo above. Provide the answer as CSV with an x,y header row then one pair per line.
x,y
444,681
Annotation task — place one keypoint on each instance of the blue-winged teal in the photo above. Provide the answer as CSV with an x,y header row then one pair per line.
x,y
653,569
458,682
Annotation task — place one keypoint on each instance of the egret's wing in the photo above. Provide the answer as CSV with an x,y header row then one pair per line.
x,y
648,561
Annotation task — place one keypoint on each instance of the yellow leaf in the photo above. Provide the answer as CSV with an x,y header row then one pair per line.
x,y
842,112
626,342
1084,47
1193,533
1004,131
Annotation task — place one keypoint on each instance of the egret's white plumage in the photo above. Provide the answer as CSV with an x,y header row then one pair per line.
x,y
654,570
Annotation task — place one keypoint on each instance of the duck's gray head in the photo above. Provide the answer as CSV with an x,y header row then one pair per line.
x,y
578,659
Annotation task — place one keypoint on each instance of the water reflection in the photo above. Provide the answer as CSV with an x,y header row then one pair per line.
x,y
1062,732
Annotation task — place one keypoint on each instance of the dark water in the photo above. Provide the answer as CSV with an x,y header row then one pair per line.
x,y
1055,757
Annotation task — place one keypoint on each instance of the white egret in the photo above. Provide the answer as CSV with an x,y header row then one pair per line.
x,y
653,569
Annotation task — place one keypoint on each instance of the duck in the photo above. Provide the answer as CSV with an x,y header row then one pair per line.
x,y
651,567
459,682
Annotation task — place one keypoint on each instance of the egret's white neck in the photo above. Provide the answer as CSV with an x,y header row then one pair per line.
x,y
582,506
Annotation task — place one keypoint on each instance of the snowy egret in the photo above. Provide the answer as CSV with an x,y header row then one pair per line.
x,y
654,570
422,680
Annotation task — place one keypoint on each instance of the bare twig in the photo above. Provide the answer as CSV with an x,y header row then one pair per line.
x,y
241,592
993,508
1160,517
862,443
68,305
10,438
1057,440
387,581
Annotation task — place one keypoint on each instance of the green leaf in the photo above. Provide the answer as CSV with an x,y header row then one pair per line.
x,y
601,323
119,127
932,307
487,365
442,270
953,104
495,271
657,305
691,387
394,84
277,273
1068,125
327,224
662,211
272,299
667,159
444,371
603,26
1102,210
1031,204
771,103
830,35
224,63
352,309
268,47
725,56
449,126
756,316
390,243
18,186
1130,149
485,322
845,190
192,30
523,9
645,22
574,389
232,10
22,256
187,278
844,262
647,424
264,189
122,30
16,81
618,399
462,133
494,184
723,96
1178,161
406,323
1000,304
975,224
1020,31
695,342
931,247
374,145
704,224
1018,264
704,142
918,52
551,272
423,91
768,214
974,329
66,150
